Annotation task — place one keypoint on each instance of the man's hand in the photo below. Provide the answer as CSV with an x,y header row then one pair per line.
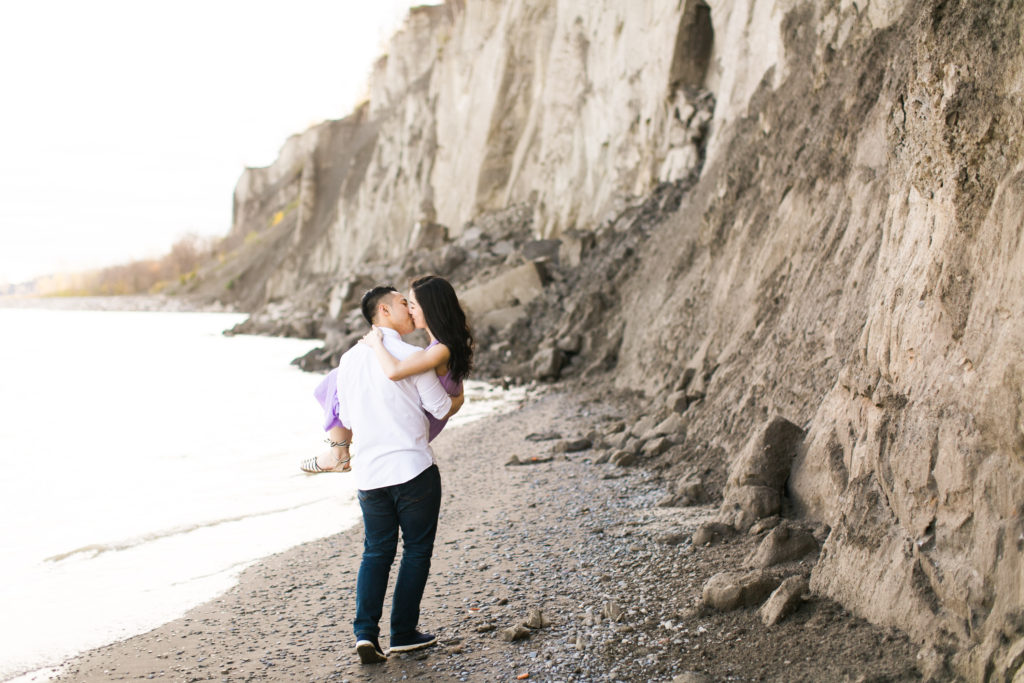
x,y
457,402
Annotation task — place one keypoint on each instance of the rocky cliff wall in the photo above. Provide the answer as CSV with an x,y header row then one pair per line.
x,y
566,107
851,260
765,209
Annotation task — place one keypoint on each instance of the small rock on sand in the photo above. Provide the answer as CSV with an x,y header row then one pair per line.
x,y
783,601
732,590
514,633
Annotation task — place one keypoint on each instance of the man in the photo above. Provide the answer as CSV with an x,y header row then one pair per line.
x,y
398,481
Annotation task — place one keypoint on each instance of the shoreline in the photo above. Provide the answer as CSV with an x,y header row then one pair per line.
x,y
616,577
130,302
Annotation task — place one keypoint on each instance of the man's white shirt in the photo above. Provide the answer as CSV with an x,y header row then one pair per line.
x,y
389,427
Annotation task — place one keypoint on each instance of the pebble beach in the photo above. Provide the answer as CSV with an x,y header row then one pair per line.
x,y
550,565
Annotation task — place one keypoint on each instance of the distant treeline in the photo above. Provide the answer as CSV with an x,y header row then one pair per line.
x,y
149,276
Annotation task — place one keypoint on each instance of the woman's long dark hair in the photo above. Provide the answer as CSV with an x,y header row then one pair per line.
x,y
447,322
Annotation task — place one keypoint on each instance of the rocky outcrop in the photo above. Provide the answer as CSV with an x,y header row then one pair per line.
x,y
742,212
477,107
851,260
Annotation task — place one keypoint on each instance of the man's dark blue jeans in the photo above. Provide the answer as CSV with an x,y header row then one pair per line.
x,y
412,507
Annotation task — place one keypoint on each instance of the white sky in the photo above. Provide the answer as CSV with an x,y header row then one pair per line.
x,y
125,124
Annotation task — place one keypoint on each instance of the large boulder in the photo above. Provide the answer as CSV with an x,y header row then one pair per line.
x,y
755,487
513,287
784,543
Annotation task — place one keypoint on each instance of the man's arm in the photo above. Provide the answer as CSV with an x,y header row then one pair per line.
x,y
434,399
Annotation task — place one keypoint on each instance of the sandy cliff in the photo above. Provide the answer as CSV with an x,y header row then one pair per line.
x,y
851,260
763,208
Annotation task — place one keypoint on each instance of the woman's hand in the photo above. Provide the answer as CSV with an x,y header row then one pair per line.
x,y
457,402
374,337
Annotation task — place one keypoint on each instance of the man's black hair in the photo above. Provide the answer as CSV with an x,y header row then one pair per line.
x,y
372,297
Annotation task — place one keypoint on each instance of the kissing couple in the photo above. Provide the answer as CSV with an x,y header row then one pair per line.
x,y
383,405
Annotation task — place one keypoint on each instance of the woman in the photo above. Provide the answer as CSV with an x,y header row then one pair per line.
x,y
434,307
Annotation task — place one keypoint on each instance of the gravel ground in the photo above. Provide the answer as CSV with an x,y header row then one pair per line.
x,y
608,581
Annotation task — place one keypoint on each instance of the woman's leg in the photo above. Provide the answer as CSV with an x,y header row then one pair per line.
x,y
338,455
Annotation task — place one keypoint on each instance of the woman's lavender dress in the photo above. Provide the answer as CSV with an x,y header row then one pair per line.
x,y
453,389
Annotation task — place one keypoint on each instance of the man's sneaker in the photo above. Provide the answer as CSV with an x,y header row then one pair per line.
x,y
369,651
412,641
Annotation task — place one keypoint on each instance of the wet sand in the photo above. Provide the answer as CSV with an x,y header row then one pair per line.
x,y
615,576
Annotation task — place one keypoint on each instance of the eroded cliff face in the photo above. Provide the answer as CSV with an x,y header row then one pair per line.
x,y
564,107
852,260
811,211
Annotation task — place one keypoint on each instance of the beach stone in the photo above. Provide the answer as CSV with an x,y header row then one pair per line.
x,y
677,402
710,533
783,601
645,424
536,619
692,677
546,364
570,344
667,501
690,491
471,235
572,445
733,590
674,425
672,537
616,427
603,458
623,459
575,244
619,441
688,374
541,249
656,446
503,248
514,633
744,505
783,544
765,524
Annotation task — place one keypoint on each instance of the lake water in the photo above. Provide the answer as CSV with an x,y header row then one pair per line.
x,y
147,459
